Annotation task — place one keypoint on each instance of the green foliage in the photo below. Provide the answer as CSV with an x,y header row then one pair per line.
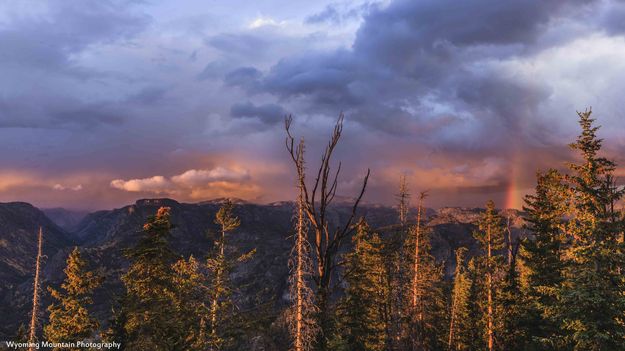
x,y
591,299
70,320
150,314
490,236
361,313
22,334
223,322
116,331
476,321
540,255
426,323
490,229
190,294
460,337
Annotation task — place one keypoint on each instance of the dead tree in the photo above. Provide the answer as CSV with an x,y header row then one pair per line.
x,y
417,255
417,279
404,200
301,315
36,285
327,240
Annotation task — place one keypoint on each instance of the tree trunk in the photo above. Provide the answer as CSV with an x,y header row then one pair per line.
x,y
489,282
299,344
33,318
218,286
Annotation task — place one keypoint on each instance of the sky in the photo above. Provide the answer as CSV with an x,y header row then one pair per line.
x,y
103,102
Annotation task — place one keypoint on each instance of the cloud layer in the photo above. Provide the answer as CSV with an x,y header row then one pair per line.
x,y
105,101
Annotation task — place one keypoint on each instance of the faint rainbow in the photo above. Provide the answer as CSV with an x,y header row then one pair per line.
x,y
514,193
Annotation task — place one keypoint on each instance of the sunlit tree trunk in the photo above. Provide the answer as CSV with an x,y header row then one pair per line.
x,y
33,318
489,287
301,316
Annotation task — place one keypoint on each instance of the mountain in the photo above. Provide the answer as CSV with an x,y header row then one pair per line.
x,y
19,225
103,236
68,220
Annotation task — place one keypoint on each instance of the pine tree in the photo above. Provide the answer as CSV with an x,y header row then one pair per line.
x,y
221,311
592,300
190,294
362,323
490,237
70,320
301,315
542,261
426,308
477,306
459,319
150,314
511,304
22,334
116,331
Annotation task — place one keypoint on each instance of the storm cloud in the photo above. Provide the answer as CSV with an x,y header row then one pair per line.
x,y
131,99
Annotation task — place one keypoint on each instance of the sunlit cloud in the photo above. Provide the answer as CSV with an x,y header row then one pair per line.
x,y
195,177
194,184
60,187
156,184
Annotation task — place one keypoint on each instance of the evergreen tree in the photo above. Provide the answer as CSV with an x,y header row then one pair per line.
x,y
116,331
592,300
70,320
361,312
511,307
426,310
477,307
459,316
490,237
542,261
222,316
190,294
397,271
149,311
21,336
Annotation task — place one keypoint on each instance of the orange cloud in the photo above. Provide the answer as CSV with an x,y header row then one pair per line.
x,y
195,184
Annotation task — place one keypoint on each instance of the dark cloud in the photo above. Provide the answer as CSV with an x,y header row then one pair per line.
x,y
149,95
457,94
338,13
329,14
38,61
245,77
47,42
414,57
239,44
267,113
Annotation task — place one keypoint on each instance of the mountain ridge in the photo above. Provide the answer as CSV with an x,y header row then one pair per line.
x,y
103,235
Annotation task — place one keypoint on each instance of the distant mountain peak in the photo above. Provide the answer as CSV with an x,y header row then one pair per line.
x,y
156,202
221,200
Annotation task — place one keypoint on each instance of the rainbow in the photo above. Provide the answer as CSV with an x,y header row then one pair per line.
x,y
514,193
